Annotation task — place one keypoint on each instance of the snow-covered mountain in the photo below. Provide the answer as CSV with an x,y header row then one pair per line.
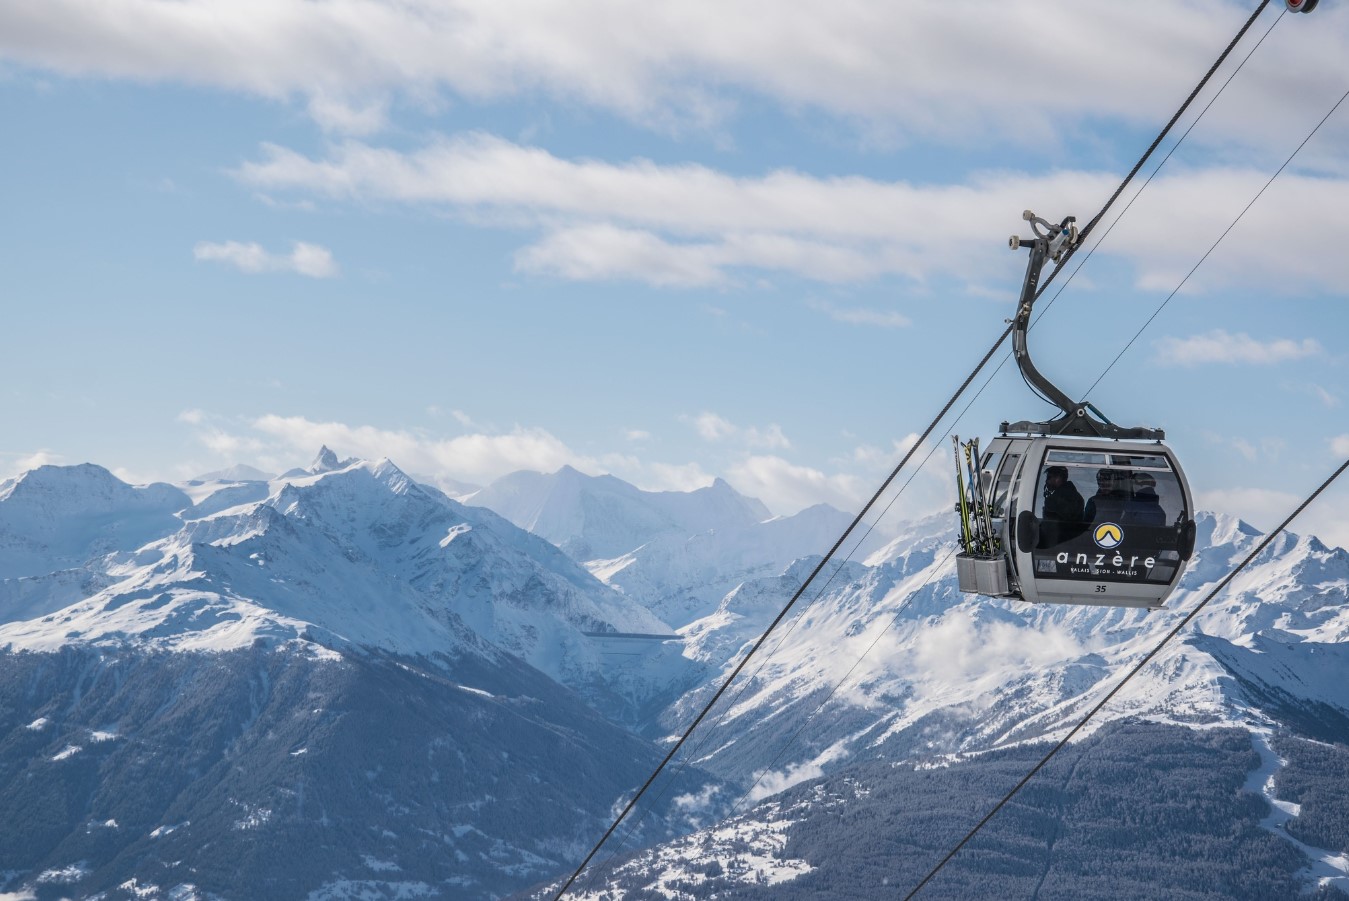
x,y
1138,810
676,553
342,663
343,555
598,517
57,517
890,666
310,653
914,668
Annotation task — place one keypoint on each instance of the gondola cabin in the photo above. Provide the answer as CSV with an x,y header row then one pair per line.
x,y
1079,510
1081,521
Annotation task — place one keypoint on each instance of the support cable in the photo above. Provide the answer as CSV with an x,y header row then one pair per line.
x,y
1147,181
1215,244
1133,672
796,734
1231,575
1049,303
1086,230
778,619
903,462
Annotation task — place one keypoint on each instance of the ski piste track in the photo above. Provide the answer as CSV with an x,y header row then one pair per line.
x,y
1332,869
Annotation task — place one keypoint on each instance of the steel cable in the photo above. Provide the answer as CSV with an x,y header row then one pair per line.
x,y
903,462
1139,666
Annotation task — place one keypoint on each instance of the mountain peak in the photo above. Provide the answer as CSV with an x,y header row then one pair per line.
x,y
326,461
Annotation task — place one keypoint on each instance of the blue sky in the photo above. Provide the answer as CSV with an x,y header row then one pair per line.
x,y
753,240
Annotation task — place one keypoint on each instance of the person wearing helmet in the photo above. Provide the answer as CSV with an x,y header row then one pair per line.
x,y
1144,507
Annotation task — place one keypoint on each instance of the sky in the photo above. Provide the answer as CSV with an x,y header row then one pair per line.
x,y
672,242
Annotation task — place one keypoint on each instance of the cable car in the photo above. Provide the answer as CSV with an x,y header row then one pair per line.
x,y
1075,510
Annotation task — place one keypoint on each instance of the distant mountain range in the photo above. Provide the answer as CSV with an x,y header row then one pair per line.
x,y
341,683
677,553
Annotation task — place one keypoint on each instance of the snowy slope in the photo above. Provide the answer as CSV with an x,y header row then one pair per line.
x,y
919,669
872,715
676,553
357,555
339,682
600,517
56,517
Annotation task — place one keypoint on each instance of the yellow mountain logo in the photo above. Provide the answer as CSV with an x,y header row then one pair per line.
x,y
1108,535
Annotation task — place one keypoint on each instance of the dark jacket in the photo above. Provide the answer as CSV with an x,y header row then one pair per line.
x,y
1105,506
1064,504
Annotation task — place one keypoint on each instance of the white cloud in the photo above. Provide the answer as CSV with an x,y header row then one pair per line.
x,y
1340,445
1219,346
1327,399
958,648
636,435
684,64
787,487
229,445
674,477
880,318
770,783
192,417
341,115
713,428
305,259
771,438
25,462
602,252
1264,508
276,443
475,458
693,226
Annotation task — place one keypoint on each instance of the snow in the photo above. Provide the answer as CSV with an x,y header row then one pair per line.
x,y
476,691
345,555
1328,868
921,670
255,816
354,557
138,889
66,874
740,851
379,866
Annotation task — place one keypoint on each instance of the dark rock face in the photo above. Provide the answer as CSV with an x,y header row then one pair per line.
x,y
267,773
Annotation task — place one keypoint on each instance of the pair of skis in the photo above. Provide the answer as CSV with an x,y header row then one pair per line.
x,y
977,537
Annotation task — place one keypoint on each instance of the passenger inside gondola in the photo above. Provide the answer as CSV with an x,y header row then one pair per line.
x,y
1063,502
1107,504
1144,507
1062,511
